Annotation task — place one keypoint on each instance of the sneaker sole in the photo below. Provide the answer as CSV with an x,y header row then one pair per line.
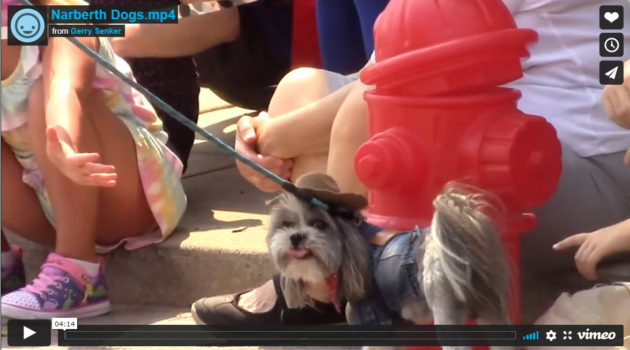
x,y
16,312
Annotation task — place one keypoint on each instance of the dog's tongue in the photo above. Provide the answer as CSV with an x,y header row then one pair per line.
x,y
333,286
297,253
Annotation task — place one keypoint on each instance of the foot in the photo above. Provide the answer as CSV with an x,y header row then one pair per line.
x,y
261,299
62,289
13,273
264,305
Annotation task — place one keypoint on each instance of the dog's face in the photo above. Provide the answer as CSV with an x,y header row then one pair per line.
x,y
308,245
304,241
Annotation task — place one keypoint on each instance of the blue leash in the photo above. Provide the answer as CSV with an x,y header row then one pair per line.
x,y
286,185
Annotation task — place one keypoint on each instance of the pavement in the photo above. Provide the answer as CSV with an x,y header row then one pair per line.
x,y
219,246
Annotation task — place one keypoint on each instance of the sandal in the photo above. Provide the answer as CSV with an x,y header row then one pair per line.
x,y
224,310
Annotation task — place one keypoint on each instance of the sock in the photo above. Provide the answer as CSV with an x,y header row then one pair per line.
x,y
7,259
89,267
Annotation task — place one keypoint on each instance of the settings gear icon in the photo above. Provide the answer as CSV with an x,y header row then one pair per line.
x,y
551,335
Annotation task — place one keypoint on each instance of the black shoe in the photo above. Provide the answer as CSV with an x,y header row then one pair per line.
x,y
224,310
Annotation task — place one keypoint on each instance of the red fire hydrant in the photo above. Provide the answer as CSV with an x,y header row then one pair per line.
x,y
437,113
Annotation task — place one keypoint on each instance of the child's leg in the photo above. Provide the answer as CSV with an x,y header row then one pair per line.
x,y
349,132
21,211
312,85
85,215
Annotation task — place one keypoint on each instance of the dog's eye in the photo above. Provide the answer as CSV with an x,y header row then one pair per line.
x,y
287,224
319,224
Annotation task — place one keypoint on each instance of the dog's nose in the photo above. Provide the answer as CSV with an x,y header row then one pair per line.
x,y
296,239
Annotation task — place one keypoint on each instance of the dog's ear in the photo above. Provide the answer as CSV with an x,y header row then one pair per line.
x,y
356,278
277,200
294,293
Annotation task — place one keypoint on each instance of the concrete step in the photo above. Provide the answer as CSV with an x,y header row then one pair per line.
x,y
219,246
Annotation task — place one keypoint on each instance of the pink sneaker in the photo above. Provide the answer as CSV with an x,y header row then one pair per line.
x,y
62,289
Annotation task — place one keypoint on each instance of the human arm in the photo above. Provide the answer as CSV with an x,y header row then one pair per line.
x,y
597,245
189,36
68,76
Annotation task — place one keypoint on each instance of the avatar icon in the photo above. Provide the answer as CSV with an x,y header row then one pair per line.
x,y
27,25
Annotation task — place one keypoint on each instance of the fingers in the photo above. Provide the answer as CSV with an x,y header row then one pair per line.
x,y
81,159
91,174
264,115
246,143
586,260
97,168
245,130
101,180
586,257
280,167
265,185
571,241
83,170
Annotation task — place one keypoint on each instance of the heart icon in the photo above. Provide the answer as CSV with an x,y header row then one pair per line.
x,y
611,16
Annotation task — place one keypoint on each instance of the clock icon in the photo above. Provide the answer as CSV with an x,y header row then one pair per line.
x,y
611,44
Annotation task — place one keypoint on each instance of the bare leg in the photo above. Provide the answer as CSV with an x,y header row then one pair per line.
x,y
349,132
21,211
85,215
298,88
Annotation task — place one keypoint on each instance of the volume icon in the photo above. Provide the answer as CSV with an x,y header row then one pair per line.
x,y
531,336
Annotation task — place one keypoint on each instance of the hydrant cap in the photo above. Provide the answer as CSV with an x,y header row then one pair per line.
x,y
445,46
411,24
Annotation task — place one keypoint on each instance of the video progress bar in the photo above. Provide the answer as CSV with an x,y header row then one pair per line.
x,y
341,335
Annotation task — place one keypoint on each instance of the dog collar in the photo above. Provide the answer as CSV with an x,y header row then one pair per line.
x,y
332,282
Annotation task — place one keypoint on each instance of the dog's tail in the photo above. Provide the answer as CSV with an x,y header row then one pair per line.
x,y
466,247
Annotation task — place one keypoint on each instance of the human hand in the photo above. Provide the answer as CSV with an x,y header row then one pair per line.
x,y
247,137
82,168
595,246
616,100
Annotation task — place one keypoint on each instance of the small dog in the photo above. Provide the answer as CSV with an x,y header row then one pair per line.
x,y
461,272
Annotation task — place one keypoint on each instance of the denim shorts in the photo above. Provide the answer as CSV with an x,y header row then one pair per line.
x,y
396,278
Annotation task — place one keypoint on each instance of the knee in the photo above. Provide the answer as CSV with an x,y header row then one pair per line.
x,y
298,88
304,79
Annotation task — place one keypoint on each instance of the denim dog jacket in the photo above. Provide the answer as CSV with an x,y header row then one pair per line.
x,y
395,274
